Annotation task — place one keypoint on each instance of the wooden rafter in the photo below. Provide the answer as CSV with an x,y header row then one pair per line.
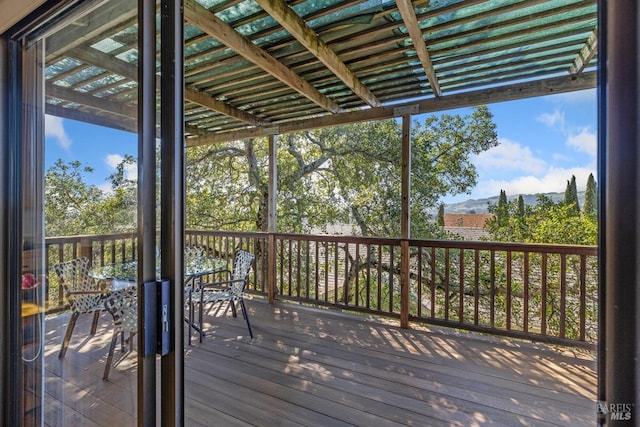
x,y
239,87
102,104
130,71
466,99
586,54
108,62
221,107
128,124
116,14
411,22
302,32
223,32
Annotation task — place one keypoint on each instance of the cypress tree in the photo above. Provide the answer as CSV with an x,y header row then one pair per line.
x,y
502,211
591,196
441,215
520,207
571,194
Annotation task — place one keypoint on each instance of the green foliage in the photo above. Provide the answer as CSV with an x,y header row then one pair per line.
x,y
520,211
571,195
340,175
501,210
591,197
69,200
73,207
118,209
441,215
546,222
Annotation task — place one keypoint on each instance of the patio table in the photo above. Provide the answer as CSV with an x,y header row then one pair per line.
x,y
123,275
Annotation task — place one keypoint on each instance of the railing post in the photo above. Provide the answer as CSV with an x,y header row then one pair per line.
x,y
271,267
272,218
404,283
405,221
86,248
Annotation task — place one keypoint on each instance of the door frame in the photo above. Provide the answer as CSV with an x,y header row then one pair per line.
x,y
10,232
172,190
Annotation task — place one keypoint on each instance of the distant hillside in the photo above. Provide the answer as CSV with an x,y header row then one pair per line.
x,y
481,206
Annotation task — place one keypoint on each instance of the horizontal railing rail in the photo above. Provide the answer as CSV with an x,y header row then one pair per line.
x,y
224,244
101,249
535,291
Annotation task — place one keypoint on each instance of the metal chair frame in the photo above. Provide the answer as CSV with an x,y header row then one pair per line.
x,y
123,306
230,290
84,293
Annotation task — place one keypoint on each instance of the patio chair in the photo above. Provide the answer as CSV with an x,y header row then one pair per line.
x,y
84,293
192,283
123,306
230,290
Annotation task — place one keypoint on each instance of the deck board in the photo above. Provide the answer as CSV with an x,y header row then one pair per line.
x,y
318,367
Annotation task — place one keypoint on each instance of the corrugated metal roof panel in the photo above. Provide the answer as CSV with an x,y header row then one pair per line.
x,y
337,53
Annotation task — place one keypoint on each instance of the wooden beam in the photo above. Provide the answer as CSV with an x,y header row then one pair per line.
x,y
586,54
102,104
221,107
92,26
128,124
405,187
105,61
130,71
405,219
413,28
272,217
299,29
223,32
193,130
466,99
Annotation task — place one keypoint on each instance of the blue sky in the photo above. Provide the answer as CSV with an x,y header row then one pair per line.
x,y
98,147
543,142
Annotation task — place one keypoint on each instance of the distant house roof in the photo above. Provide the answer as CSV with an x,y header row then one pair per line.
x,y
469,233
466,220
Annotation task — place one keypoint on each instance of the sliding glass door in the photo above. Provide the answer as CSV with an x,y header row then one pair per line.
x,y
89,152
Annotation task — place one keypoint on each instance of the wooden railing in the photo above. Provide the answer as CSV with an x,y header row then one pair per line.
x,y
539,292
542,292
101,249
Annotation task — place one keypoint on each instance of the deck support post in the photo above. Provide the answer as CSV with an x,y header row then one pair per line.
x,y
405,221
272,223
86,250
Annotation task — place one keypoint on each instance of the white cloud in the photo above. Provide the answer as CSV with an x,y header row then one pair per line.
x,y
54,128
558,157
106,188
113,160
581,139
510,155
553,181
585,141
130,171
553,120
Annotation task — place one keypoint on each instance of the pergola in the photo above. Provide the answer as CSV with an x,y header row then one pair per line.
x,y
266,67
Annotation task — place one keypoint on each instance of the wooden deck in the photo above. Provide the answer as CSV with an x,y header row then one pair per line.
x,y
317,367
